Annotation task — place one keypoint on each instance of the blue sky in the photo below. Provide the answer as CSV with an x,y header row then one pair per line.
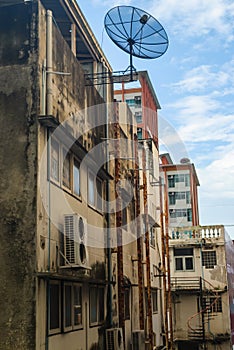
x,y
194,82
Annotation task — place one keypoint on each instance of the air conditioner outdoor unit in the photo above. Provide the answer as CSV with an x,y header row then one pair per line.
x,y
75,240
138,340
114,339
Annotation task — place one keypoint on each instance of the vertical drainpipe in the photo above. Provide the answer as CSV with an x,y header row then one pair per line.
x,y
49,21
119,224
139,237
49,62
164,266
109,258
147,250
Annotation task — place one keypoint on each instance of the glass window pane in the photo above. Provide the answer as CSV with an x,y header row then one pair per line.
x,y
76,178
54,306
179,264
138,116
154,300
91,197
139,133
93,304
183,251
127,303
189,214
188,263
66,169
67,305
101,304
54,160
99,194
77,296
188,197
187,180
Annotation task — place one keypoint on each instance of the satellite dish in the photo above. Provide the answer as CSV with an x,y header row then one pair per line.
x,y
136,32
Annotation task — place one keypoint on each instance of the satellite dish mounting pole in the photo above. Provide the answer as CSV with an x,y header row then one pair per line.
x,y
131,42
131,66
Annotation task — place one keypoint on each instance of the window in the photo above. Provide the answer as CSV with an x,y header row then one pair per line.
x,y
172,213
66,169
72,306
138,116
139,133
137,101
154,300
130,102
183,259
172,198
209,259
91,194
179,178
171,181
77,304
214,304
99,194
76,178
180,213
180,195
96,302
95,191
152,236
54,169
189,214
187,180
127,303
55,311
188,197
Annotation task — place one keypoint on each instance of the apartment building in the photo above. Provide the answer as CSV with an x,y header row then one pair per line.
x,y
144,104
53,254
181,183
202,287
67,283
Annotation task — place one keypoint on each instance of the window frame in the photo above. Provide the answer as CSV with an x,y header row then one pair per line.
x,y
208,301
58,329
96,204
152,236
183,258
76,164
64,158
97,289
72,326
127,303
52,141
208,264
154,292
140,133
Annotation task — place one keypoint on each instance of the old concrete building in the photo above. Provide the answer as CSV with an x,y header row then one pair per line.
x,y
53,258
202,287
181,183
66,280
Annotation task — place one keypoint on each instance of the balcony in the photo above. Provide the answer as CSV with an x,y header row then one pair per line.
x,y
214,232
185,283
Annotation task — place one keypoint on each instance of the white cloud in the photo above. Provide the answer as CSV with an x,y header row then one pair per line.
x,y
196,17
111,3
202,77
218,177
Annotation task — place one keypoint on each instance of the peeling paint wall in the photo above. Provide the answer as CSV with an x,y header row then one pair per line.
x,y
18,130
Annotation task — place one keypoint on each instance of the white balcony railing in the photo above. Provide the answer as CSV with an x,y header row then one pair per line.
x,y
197,232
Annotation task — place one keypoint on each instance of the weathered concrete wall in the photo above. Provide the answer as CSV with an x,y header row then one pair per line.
x,y
18,178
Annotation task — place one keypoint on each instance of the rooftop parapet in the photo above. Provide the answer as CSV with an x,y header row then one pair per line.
x,y
194,233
